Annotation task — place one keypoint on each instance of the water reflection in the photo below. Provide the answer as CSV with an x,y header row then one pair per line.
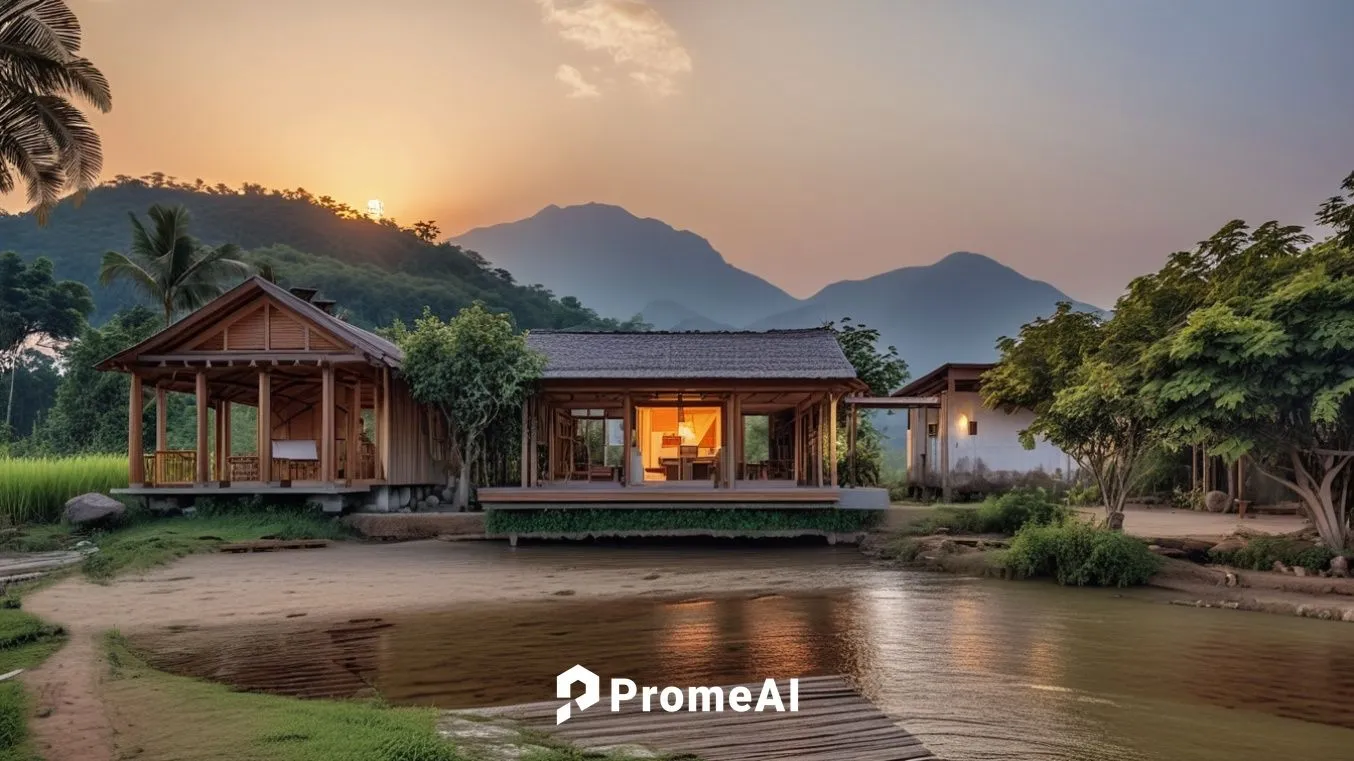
x,y
980,670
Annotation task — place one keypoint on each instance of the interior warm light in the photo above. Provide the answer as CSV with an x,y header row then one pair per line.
x,y
963,423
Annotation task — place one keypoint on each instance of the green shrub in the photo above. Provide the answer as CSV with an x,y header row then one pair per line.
x,y
1262,552
1078,553
903,549
34,490
13,717
1003,514
1084,496
659,519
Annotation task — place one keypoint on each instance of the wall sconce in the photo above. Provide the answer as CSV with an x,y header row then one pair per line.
x,y
963,423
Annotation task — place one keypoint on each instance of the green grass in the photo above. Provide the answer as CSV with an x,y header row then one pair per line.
x,y
1078,553
34,490
152,542
1002,514
731,520
25,641
213,723
1261,552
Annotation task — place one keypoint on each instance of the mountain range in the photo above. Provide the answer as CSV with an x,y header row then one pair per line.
x,y
950,311
579,267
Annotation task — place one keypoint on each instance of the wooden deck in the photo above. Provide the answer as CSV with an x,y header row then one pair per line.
x,y
687,493
834,723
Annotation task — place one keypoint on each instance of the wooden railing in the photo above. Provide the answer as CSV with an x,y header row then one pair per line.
x,y
171,466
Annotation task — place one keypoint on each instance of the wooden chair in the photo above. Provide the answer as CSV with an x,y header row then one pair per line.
x,y
686,454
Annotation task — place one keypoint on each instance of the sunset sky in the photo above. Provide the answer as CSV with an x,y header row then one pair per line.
x,y
1078,141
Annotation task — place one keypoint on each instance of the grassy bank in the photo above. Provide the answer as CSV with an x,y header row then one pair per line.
x,y
732,520
35,490
145,542
25,641
174,718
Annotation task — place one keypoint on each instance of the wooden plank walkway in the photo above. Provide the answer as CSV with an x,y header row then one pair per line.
x,y
834,723
271,545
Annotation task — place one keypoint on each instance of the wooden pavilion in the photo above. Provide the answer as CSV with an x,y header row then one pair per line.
x,y
682,419
334,419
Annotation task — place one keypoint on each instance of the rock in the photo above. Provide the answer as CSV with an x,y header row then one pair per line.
x,y
1230,579
448,494
1339,566
1299,571
1279,567
1115,522
941,530
433,500
1194,549
1216,501
93,508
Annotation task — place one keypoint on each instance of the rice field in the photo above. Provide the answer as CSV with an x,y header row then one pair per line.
x,y
33,490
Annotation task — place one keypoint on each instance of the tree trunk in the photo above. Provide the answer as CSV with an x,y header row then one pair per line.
x,y
461,498
1315,489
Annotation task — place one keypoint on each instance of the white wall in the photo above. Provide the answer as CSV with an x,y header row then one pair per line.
x,y
995,449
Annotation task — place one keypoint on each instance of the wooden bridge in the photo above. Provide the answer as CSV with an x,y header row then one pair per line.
x,y
834,723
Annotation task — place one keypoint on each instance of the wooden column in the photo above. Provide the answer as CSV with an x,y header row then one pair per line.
x,y
327,427
799,436
353,454
383,428
263,427
218,459
832,437
526,441
851,423
223,412
737,439
203,473
1193,467
136,465
551,444
818,443
946,407
627,433
534,442
161,419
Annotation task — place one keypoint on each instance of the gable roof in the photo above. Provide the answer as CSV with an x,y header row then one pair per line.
x,y
812,354
373,347
935,381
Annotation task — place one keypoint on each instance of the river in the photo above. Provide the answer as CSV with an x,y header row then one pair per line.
x,y
978,669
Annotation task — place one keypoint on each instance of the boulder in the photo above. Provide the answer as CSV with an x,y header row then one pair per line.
x,y
1115,521
1193,549
1279,567
1299,571
1230,544
1339,566
1216,501
93,509
432,500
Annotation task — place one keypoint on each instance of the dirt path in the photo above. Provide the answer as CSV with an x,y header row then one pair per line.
x,y
66,685
354,580
1170,522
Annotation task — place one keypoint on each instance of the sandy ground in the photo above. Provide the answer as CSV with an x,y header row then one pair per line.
x,y
1165,521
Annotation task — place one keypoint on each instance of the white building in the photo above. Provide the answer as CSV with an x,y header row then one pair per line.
x,y
977,449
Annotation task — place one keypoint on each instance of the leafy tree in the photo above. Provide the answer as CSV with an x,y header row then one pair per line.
x,y
34,303
426,231
90,413
476,369
884,372
1262,366
45,141
1084,403
171,268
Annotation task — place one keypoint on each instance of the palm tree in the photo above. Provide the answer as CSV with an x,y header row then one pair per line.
x,y
170,267
45,141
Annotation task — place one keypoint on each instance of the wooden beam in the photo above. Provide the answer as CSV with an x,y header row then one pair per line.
x,y
203,454
327,431
263,429
135,448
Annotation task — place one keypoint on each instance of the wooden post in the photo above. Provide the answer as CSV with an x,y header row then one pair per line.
x,y
135,449
851,423
946,407
818,443
327,431
223,412
353,455
203,473
383,425
1193,467
551,444
263,428
1205,485
161,420
832,437
533,442
627,412
526,440
218,459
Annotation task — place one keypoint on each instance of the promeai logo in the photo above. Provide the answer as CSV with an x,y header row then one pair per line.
x,y
672,699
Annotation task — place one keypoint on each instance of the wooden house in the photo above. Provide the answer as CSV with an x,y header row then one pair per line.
x,y
335,422
682,419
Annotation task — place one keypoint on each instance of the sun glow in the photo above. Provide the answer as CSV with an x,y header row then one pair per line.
x,y
376,209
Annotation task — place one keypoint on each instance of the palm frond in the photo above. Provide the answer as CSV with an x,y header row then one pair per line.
x,y
116,266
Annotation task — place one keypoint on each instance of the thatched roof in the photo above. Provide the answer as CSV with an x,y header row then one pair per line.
x,y
812,354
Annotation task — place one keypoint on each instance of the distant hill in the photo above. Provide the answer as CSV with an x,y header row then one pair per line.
x,y
619,264
377,272
669,315
950,311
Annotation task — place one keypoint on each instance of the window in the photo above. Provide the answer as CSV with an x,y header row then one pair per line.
x,y
973,427
932,430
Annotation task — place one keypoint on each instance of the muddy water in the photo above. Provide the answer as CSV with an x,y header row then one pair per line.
x,y
978,669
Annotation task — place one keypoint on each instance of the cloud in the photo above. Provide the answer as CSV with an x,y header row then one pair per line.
x,y
580,87
632,32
